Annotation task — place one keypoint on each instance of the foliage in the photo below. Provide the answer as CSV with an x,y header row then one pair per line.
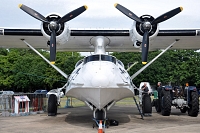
x,y
174,66
23,70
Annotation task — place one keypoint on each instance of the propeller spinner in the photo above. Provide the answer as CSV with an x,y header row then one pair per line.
x,y
53,24
146,25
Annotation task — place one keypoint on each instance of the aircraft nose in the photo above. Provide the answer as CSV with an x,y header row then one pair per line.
x,y
100,80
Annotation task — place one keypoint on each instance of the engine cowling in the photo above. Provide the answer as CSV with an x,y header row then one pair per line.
x,y
62,31
137,31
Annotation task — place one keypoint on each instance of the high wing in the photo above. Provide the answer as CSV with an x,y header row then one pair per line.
x,y
144,35
118,40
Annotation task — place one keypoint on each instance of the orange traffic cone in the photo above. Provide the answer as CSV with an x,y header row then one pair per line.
x,y
100,130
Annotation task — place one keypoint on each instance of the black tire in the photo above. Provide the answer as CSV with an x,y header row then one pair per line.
x,y
52,105
99,115
146,104
166,103
183,110
193,109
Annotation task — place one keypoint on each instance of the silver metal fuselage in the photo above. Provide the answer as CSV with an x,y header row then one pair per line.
x,y
100,79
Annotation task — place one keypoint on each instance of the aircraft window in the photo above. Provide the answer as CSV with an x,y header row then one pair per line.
x,y
121,70
108,58
91,58
78,71
119,62
78,63
100,58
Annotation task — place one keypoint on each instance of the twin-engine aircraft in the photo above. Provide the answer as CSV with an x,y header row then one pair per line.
x,y
99,80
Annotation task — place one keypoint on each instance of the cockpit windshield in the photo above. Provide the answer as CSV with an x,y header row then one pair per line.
x,y
100,58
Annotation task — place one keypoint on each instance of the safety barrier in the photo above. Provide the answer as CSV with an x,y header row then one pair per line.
x,y
36,103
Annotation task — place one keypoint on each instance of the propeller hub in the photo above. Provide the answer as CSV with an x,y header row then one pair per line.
x,y
147,25
53,25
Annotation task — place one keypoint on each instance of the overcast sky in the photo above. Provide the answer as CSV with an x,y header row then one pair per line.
x,y
101,13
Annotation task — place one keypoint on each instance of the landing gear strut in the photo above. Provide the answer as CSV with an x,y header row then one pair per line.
x,y
100,115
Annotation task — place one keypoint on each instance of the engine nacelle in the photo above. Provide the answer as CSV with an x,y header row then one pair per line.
x,y
62,32
137,31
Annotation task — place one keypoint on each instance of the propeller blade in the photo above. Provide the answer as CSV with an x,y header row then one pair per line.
x,y
53,47
72,14
145,47
167,15
33,13
127,12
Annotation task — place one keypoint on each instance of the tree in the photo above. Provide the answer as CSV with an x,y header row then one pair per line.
x,y
174,66
23,70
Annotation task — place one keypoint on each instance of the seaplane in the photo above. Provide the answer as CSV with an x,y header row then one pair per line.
x,y
100,79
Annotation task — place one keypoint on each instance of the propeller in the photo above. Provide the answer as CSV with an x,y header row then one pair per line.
x,y
146,25
54,25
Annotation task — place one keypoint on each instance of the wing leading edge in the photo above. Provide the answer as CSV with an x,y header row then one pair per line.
x,y
79,40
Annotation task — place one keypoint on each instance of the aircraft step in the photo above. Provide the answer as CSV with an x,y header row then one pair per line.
x,y
138,108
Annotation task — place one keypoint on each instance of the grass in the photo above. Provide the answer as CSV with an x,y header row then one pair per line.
x,y
73,101
78,103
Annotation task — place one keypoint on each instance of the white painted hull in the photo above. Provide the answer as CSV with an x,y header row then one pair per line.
x,y
99,83
100,97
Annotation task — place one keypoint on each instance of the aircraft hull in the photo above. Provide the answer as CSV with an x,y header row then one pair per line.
x,y
100,97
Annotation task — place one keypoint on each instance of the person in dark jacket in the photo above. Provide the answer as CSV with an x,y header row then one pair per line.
x,y
159,89
159,85
145,88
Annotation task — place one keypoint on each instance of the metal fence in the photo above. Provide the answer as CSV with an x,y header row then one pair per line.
x,y
38,102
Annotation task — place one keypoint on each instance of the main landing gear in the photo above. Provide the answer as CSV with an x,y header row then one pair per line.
x,y
52,105
145,104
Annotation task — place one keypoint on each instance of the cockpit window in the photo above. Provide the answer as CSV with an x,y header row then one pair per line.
x,y
91,58
119,62
100,58
78,63
108,58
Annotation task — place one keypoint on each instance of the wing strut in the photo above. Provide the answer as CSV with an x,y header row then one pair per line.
x,y
144,67
55,67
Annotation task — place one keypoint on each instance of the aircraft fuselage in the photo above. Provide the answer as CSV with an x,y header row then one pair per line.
x,y
99,79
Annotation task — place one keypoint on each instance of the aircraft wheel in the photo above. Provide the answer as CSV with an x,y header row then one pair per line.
x,y
146,104
52,105
193,109
99,115
166,103
183,110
